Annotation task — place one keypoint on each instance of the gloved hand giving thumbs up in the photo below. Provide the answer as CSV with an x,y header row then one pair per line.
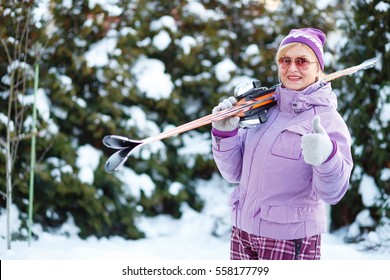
x,y
316,146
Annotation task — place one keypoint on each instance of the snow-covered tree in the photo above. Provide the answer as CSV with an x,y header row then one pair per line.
x,y
137,68
366,108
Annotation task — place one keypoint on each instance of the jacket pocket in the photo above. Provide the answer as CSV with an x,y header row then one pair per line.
x,y
285,214
288,142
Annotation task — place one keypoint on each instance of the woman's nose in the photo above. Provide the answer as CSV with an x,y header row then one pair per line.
x,y
293,66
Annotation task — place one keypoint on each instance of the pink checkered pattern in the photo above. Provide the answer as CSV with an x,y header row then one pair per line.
x,y
246,246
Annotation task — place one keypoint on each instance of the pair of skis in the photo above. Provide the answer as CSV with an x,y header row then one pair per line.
x,y
242,109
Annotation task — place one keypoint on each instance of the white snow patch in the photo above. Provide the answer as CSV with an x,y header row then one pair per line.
x,y
223,70
88,159
151,78
369,191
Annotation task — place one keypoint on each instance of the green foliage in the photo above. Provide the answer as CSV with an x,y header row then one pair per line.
x,y
366,99
90,99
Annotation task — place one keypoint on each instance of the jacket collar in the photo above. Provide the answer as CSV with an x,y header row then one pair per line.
x,y
317,94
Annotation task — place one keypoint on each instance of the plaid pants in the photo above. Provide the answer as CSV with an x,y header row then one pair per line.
x,y
246,246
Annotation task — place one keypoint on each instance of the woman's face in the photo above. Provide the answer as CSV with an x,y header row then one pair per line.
x,y
298,77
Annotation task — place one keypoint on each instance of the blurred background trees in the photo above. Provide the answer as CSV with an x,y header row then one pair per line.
x,y
365,104
90,56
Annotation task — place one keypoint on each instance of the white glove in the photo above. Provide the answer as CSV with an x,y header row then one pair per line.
x,y
316,146
228,124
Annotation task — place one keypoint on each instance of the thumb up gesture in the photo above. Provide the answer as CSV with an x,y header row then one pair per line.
x,y
316,146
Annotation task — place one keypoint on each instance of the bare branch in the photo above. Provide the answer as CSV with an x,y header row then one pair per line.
x,y
45,151
4,43
3,194
23,175
24,136
2,143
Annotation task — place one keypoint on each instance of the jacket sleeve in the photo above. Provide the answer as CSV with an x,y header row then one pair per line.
x,y
331,179
227,153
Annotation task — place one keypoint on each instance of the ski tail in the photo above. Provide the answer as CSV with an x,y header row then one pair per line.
x,y
369,63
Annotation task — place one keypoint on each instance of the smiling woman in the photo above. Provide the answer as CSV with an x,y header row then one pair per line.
x,y
305,48
298,66
287,168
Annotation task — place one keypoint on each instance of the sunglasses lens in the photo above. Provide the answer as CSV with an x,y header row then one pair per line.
x,y
300,62
285,62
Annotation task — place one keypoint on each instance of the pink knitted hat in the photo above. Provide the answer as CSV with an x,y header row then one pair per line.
x,y
312,37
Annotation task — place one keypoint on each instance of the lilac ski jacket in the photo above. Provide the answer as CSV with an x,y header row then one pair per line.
x,y
278,195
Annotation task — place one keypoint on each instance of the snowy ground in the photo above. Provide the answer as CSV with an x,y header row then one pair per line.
x,y
190,243
196,236
197,246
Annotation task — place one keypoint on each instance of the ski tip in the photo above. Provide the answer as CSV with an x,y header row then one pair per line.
x,y
113,141
108,168
116,160
119,142
106,141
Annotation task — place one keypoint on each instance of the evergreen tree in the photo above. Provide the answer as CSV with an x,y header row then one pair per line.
x,y
79,107
90,65
366,109
75,120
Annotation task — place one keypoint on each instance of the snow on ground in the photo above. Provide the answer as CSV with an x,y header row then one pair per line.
x,y
195,236
199,245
